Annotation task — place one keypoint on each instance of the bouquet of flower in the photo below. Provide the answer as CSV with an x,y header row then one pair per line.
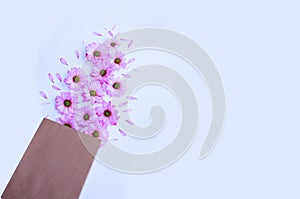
x,y
85,93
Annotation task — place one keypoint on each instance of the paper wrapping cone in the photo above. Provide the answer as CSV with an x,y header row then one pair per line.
x,y
54,166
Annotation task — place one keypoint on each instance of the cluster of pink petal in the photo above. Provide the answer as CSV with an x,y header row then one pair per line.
x,y
87,106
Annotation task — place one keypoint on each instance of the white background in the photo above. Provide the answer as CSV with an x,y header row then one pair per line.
x,y
255,46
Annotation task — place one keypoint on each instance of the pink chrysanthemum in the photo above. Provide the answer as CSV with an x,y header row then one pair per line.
x,y
112,43
67,120
119,60
85,116
92,92
97,53
98,132
64,103
107,114
116,88
75,79
102,73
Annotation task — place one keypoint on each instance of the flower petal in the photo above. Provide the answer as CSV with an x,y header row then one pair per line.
x,y
131,60
50,76
123,104
45,103
129,122
123,39
43,94
131,98
63,61
122,133
55,87
130,43
97,34
77,54
58,76
110,33
126,75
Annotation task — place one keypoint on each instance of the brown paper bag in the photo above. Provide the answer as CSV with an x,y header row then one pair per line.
x,y
54,166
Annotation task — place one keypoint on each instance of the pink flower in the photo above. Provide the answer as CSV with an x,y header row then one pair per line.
x,y
65,103
116,88
92,92
119,60
75,79
98,132
112,43
85,116
102,73
107,114
97,53
67,120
